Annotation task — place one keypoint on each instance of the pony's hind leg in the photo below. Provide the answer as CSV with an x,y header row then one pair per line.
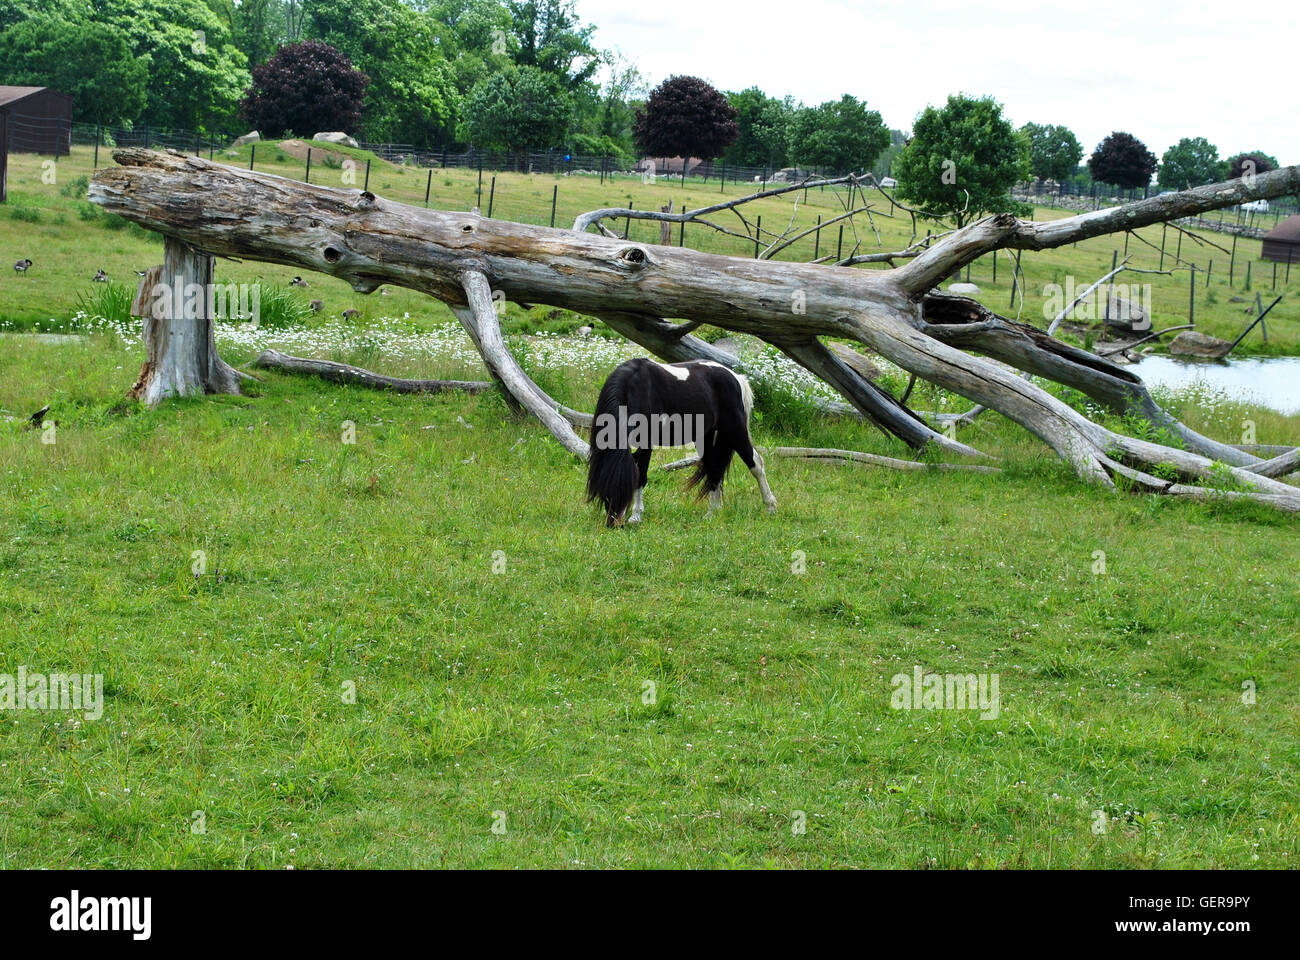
x,y
642,458
754,460
715,459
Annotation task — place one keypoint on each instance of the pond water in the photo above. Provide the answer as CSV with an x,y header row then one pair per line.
x,y
1271,381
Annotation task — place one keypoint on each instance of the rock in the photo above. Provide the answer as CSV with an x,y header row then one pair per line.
x,y
963,288
1189,343
1125,314
251,137
856,361
336,137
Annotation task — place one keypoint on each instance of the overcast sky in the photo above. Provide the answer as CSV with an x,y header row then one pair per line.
x,y
1158,70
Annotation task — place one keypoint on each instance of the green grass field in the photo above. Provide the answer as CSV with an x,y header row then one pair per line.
x,y
422,649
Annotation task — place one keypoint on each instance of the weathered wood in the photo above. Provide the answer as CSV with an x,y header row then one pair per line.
x,y
345,373
180,350
460,257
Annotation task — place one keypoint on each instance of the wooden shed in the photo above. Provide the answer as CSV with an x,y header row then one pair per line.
x,y
32,120
1282,243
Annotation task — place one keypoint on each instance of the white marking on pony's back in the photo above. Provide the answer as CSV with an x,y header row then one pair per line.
x,y
677,372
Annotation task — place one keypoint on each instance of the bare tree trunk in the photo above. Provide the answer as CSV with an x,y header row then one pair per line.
x,y
180,353
466,261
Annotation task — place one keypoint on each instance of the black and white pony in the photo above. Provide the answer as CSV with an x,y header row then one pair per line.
x,y
646,404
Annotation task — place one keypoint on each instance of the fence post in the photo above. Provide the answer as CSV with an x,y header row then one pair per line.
x,y
478,194
1191,299
758,231
1209,270
817,239
627,227
1232,260
555,195
492,192
252,155
839,245
1164,228
308,177
722,177
429,183
1248,275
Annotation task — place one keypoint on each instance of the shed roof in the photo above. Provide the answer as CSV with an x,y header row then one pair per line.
x,y
1288,231
10,95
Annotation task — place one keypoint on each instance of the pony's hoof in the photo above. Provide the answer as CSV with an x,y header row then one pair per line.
x,y
771,507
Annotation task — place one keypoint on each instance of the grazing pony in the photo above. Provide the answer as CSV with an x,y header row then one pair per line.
x,y
646,404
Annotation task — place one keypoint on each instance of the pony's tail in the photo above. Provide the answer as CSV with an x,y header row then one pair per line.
x,y
611,472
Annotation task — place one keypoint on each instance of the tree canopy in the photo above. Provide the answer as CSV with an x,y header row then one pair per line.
x,y
513,111
1123,161
962,160
1054,151
305,87
841,135
685,116
1191,162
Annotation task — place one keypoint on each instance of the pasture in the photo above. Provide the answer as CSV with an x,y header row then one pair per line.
x,y
422,649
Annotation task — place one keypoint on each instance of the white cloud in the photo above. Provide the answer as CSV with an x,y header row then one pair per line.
x,y
1161,71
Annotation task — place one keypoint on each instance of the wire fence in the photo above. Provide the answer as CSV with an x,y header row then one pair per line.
x,y
29,134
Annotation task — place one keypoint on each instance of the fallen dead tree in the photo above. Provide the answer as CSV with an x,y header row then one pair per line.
x,y
466,260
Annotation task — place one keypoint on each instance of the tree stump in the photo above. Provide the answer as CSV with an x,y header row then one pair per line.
x,y
180,353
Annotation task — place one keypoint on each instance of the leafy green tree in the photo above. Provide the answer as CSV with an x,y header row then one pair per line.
x,y
306,87
548,35
1191,162
412,96
963,160
686,117
69,11
1252,161
1122,160
91,62
258,27
196,73
513,111
840,134
1054,151
764,124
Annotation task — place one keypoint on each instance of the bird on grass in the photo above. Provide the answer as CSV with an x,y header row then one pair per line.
x,y
351,313
38,418
298,282
100,277
316,306
22,266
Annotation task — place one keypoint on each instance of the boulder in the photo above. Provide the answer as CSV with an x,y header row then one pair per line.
x,y
251,137
1125,314
336,137
963,288
1190,343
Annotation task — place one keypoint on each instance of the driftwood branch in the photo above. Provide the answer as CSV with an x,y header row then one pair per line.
x,y
345,373
463,259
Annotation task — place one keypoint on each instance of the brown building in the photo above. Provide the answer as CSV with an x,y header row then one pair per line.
x,y
1282,243
32,120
